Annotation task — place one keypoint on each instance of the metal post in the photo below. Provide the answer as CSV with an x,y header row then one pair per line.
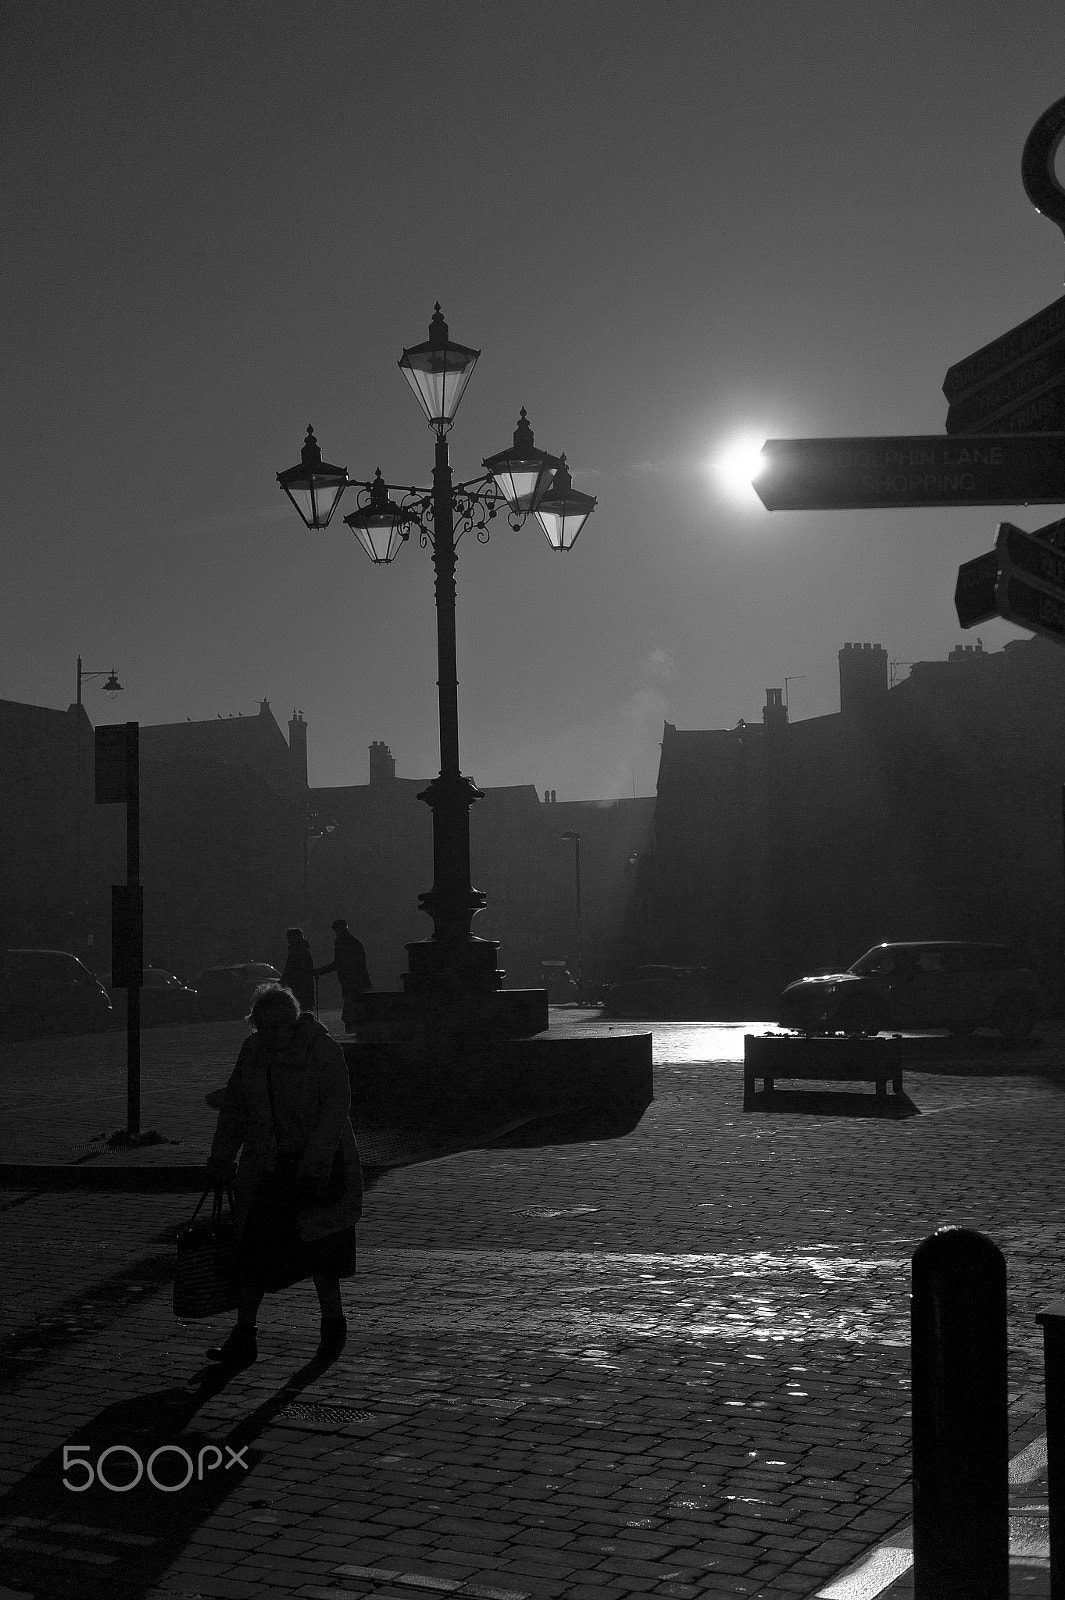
x,y
1053,1324
580,923
453,960
76,875
571,833
133,878
960,1433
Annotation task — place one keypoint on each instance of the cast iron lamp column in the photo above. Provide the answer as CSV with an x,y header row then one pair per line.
x,y
453,963
454,958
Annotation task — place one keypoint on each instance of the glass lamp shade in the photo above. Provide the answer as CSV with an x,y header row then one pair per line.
x,y
438,372
564,510
381,527
112,686
315,486
522,474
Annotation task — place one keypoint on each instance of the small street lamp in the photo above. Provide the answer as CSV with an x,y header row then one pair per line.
x,y
111,688
571,833
452,969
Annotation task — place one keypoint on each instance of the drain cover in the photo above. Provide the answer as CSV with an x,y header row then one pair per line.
x,y
325,1416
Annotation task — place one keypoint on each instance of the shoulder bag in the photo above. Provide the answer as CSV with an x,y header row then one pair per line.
x,y
205,1280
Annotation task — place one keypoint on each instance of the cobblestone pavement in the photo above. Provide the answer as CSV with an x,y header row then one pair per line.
x,y
675,1364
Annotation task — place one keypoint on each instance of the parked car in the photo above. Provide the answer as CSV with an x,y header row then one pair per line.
x,y
948,984
227,991
49,991
164,999
666,992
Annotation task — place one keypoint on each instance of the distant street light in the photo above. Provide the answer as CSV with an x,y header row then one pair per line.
x,y
111,688
571,833
452,964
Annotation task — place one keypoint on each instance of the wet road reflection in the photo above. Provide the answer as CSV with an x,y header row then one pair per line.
x,y
802,1294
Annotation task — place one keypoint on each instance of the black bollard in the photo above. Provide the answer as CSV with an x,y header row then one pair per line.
x,y
961,1523
1052,1321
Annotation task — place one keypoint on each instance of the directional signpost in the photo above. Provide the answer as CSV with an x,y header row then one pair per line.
x,y
1016,384
915,470
976,598
1030,590
1020,601
1004,445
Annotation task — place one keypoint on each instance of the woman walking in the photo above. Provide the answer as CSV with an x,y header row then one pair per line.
x,y
298,1190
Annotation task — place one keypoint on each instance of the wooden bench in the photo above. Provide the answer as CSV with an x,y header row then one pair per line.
x,y
831,1059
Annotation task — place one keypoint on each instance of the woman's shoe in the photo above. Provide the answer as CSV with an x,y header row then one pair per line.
x,y
239,1350
334,1336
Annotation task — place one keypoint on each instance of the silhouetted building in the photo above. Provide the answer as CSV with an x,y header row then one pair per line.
x,y
223,805
928,810
616,837
223,808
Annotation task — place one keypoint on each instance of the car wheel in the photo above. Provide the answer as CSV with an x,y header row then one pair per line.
x,y
1013,1018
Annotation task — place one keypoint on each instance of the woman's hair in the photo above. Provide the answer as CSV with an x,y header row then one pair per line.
x,y
272,997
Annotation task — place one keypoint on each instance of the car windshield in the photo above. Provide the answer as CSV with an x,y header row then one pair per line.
x,y
882,959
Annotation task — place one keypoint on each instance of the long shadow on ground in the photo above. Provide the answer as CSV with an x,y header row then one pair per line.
x,y
65,1542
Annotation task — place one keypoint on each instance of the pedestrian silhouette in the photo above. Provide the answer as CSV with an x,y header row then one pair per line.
x,y
297,1191
298,974
349,964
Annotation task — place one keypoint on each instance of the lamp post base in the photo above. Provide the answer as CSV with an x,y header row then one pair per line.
x,y
459,966
449,1016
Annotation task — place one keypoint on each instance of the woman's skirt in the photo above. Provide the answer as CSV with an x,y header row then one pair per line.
x,y
271,1255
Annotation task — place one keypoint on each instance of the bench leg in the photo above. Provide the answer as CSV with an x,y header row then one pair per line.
x,y
881,1088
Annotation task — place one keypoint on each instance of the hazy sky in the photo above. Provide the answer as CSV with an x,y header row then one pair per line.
x,y
664,225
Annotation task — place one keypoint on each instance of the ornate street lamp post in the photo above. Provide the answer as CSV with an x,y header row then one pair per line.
x,y
453,970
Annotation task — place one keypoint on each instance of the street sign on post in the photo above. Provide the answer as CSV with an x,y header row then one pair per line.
x,y
1024,344
974,597
1029,398
913,470
1020,601
1023,555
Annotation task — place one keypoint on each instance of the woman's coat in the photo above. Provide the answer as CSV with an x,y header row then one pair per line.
x,y
312,1091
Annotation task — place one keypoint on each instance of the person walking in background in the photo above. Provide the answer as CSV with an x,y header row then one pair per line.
x,y
299,968
349,964
298,1188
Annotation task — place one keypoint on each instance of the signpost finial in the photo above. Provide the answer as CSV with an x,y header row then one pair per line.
x,y
1037,164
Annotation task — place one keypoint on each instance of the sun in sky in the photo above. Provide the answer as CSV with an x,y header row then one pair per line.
x,y
736,463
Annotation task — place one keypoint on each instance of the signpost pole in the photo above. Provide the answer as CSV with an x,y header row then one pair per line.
x,y
118,781
133,889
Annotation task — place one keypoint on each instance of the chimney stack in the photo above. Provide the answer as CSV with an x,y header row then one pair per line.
x,y
775,712
863,676
382,763
297,744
